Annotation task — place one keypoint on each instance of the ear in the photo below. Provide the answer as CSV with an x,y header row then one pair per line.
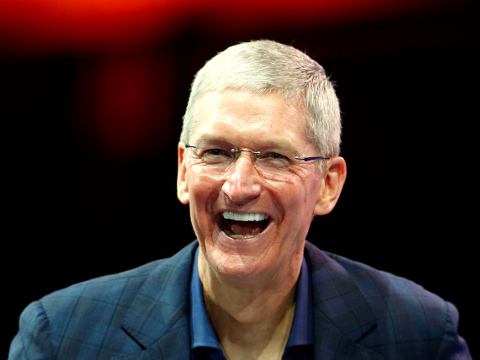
x,y
182,187
332,184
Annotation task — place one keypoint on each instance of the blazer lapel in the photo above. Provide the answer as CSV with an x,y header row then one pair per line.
x,y
158,319
342,315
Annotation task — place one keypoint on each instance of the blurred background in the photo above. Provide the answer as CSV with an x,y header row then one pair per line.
x,y
92,94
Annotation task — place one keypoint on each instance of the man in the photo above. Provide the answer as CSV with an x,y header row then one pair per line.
x,y
257,160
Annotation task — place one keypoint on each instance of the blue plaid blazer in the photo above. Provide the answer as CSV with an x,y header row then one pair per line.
x,y
360,313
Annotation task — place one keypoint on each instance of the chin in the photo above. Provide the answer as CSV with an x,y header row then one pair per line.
x,y
238,264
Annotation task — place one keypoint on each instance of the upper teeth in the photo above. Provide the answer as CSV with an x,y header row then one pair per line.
x,y
244,217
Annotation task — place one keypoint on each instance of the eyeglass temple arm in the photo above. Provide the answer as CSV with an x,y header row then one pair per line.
x,y
312,158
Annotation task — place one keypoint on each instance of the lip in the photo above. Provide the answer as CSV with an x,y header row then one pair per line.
x,y
231,242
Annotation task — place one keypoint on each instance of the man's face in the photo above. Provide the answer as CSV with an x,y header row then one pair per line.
x,y
265,123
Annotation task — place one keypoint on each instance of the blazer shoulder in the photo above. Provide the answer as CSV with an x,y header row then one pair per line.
x,y
88,318
120,287
108,286
406,313
387,291
101,300
373,283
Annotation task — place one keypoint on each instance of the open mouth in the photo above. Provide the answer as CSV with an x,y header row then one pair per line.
x,y
243,226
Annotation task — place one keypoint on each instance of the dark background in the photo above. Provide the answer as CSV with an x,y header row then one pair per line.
x,y
86,191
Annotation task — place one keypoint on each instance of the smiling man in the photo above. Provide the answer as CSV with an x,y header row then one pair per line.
x,y
251,204
257,160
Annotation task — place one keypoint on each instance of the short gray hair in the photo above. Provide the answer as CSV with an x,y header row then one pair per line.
x,y
265,66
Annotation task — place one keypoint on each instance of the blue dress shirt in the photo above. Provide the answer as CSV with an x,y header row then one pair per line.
x,y
204,343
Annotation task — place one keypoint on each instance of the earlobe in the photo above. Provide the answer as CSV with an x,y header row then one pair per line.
x,y
331,188
182,187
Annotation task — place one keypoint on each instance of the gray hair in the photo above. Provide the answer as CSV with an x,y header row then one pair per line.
x,y
262,66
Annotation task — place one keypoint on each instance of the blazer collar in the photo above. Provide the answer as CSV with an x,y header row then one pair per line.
x,y
158,318
342,313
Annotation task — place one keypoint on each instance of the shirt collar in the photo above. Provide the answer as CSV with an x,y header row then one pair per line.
x,y
201,331
302,327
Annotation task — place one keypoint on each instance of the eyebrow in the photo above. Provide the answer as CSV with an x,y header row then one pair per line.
x,y
268,145
209,139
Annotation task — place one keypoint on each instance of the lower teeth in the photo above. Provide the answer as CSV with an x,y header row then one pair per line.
x,y
239,236
243,230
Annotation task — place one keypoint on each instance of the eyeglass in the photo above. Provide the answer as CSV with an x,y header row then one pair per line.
x,y
274,165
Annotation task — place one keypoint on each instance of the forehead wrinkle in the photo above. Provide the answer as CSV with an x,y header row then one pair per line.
x,y
258,138
263,142
210,137
280,145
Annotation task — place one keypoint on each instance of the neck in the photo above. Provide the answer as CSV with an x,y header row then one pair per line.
x,y
252,319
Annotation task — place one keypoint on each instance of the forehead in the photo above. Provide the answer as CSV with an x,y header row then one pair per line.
x,y
251,119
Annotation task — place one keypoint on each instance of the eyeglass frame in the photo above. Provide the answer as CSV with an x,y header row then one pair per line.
x,y
236,151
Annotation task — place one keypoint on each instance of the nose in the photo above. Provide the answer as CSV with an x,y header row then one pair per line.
x,y
242,183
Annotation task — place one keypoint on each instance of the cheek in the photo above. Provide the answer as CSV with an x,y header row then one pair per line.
x,y
298,201
199,184
203,191
203,186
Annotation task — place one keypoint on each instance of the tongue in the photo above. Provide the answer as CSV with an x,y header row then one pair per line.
x,y
243,228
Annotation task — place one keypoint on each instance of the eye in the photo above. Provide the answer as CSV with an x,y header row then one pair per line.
x,y
214,152
214,155
276,156
275,159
